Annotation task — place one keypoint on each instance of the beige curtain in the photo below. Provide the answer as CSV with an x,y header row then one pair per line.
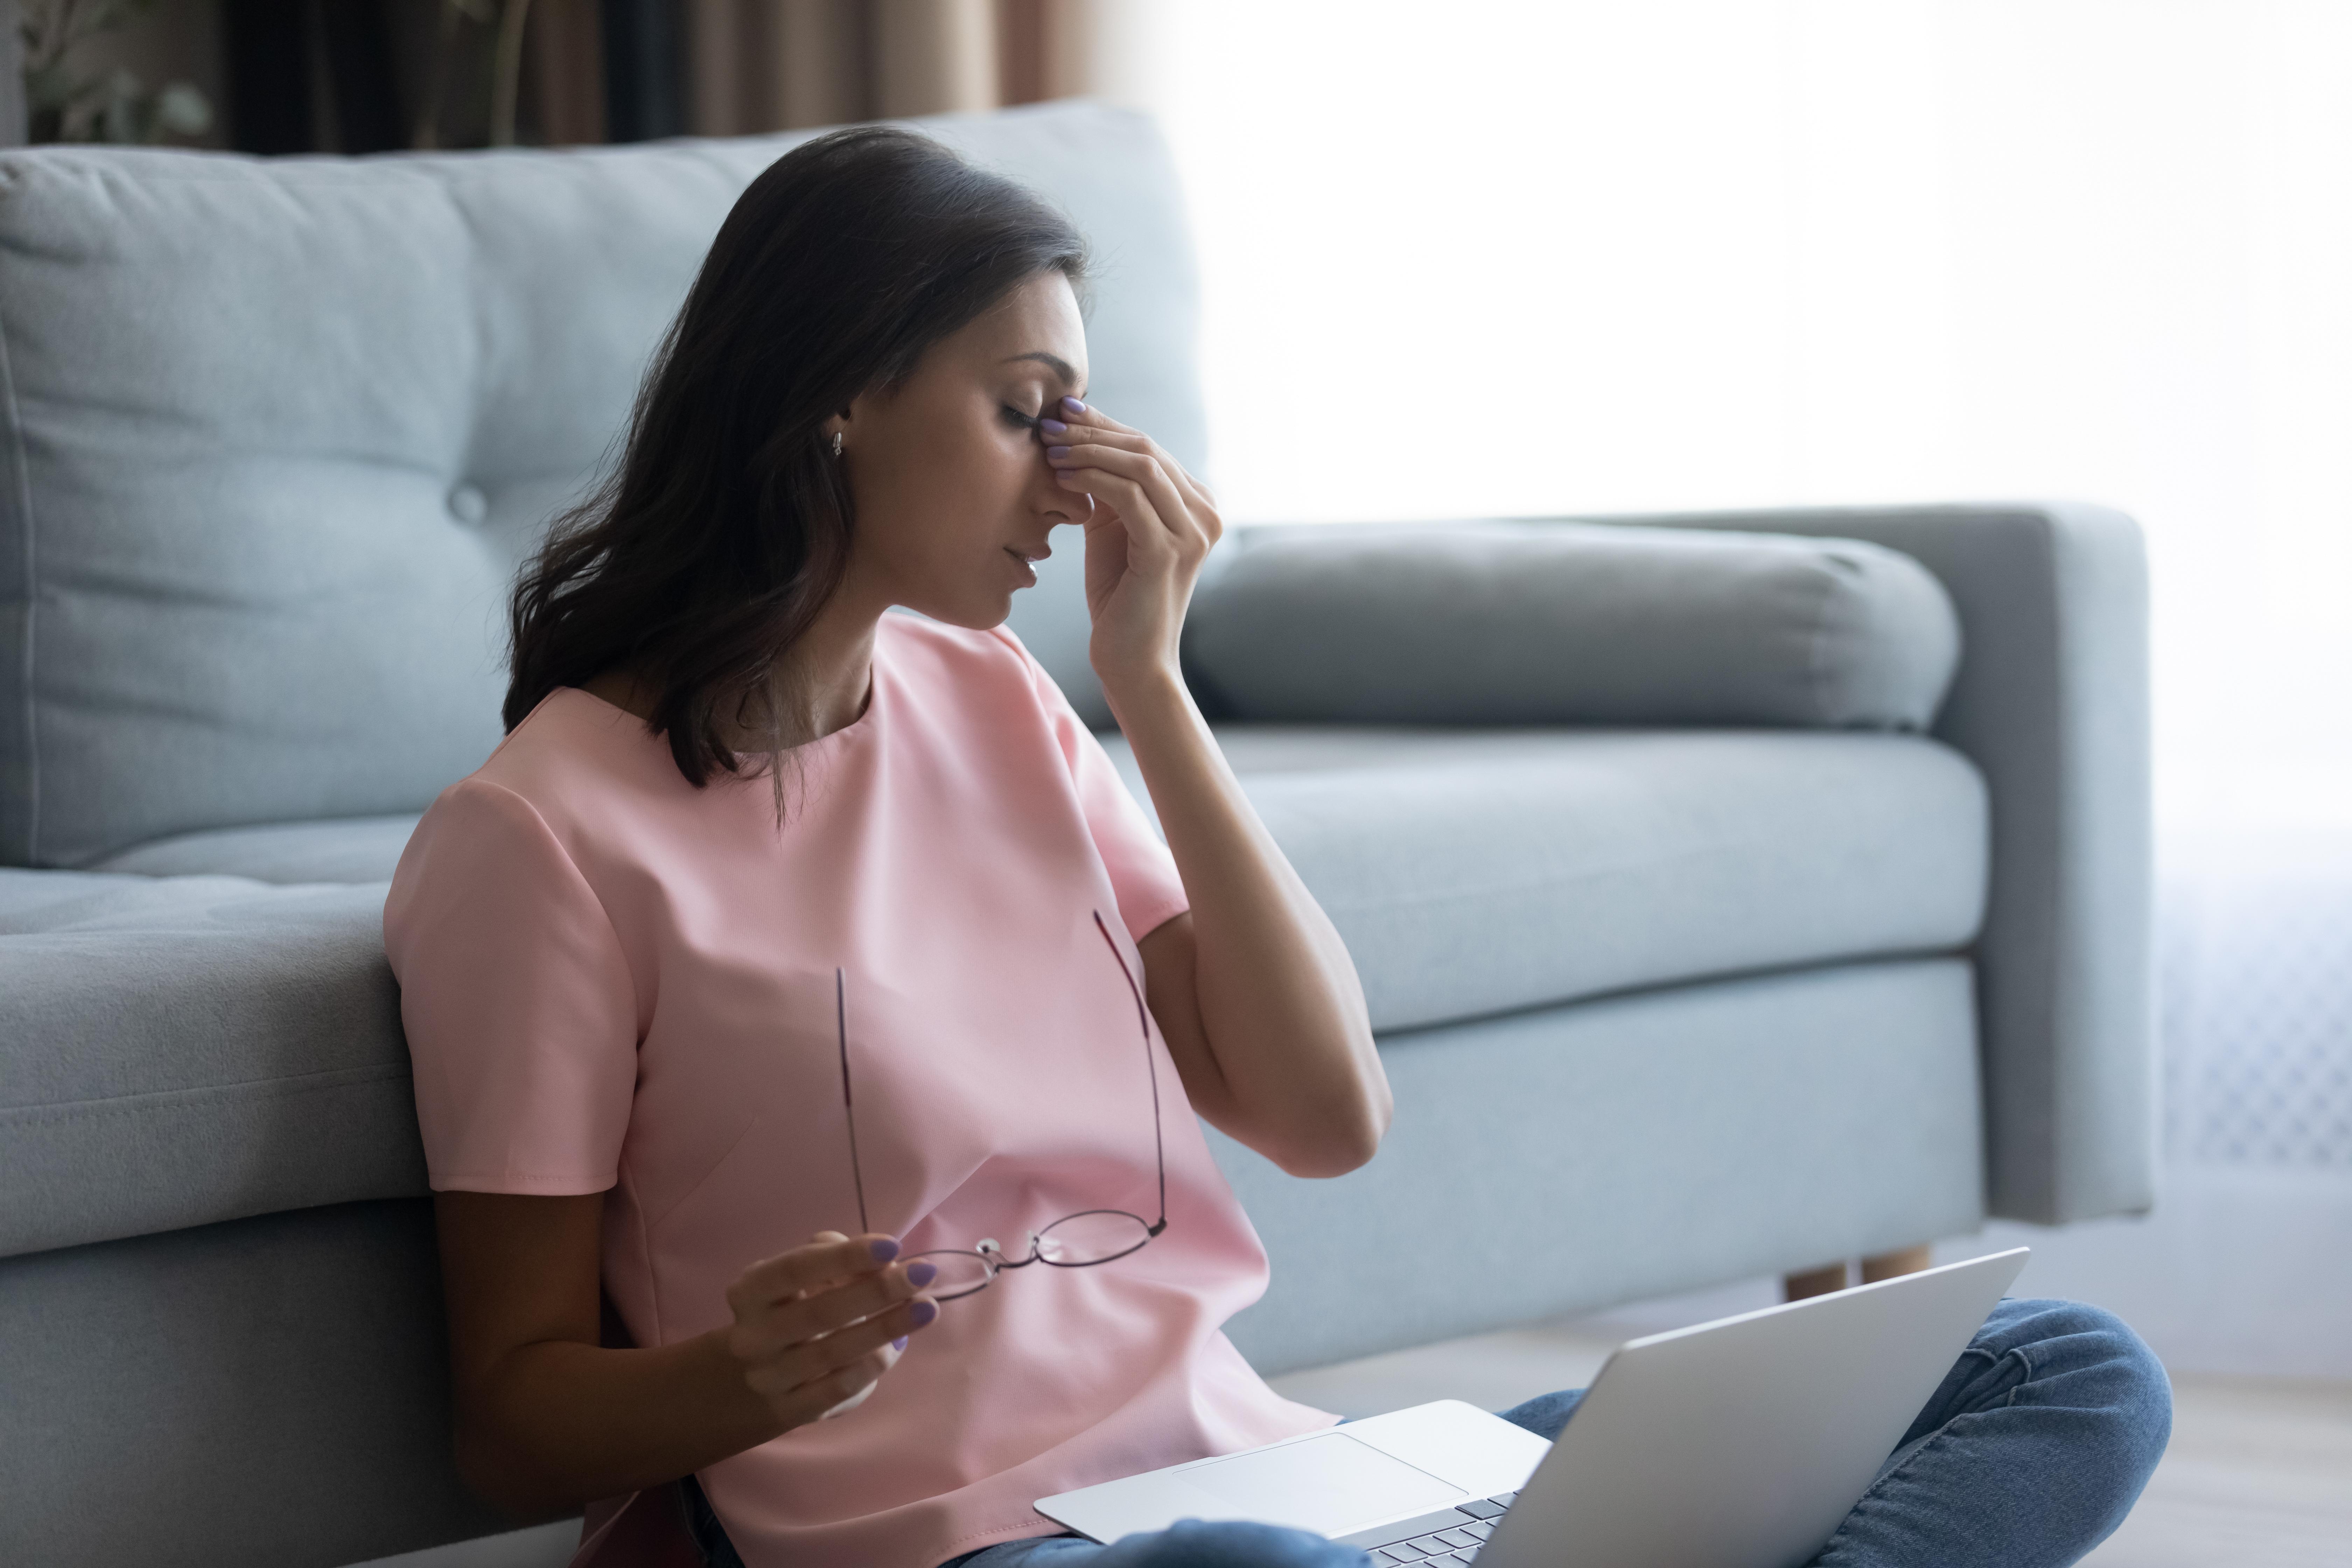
x,y
564,49
775,64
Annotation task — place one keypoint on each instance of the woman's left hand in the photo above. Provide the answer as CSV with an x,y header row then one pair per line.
x,y
1151,530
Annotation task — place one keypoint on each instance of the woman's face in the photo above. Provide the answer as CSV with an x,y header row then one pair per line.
x,y
954,496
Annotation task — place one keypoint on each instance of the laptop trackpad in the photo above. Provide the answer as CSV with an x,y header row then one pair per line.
x,y
1330,1484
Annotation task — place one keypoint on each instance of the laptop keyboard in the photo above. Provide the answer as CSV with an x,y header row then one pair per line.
x,y
1434,1540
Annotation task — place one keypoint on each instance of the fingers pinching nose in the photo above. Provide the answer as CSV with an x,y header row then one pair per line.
x,y
1053,427
1074,405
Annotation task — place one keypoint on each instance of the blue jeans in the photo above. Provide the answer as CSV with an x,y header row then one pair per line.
x,y
2030,1454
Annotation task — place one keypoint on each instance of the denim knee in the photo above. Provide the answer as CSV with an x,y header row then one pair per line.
x,y
2087,1360
1546,1413
1227,1543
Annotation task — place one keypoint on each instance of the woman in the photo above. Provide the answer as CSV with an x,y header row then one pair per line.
x,y
780,917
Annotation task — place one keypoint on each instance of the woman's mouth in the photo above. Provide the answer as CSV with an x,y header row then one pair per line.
x,y
1026,562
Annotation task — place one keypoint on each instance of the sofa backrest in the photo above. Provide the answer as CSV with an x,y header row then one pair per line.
x,y
273,434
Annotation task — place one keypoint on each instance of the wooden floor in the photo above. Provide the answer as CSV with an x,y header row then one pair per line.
x,y
2259,1474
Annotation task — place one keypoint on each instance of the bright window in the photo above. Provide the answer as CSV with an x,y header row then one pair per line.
x,y
1523,259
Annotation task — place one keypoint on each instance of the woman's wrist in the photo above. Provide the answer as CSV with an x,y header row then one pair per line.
x,y
1140,696
739,1416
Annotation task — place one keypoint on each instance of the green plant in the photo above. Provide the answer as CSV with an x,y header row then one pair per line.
x,y
62,103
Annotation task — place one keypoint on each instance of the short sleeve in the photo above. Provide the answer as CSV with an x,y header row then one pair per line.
x,y
1142,873
519,1011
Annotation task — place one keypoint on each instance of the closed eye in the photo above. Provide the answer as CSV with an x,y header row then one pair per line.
x,y
1015,416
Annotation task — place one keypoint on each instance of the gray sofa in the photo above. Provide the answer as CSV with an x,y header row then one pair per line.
x,y
1733,893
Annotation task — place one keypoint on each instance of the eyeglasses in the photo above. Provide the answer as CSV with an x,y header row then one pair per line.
x,y
1078,1240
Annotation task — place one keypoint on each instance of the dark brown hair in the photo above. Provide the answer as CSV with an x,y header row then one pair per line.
x,y
712,544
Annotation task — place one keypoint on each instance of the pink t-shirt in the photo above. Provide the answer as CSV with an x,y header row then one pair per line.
x,y
614,982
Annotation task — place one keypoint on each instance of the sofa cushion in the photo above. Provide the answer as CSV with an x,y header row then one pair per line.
x,y
182,1049
351,849
1565,623
1565,1160
1479,872
178,1051
274,433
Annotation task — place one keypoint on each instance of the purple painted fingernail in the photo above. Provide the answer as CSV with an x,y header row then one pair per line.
x,y
922,1312
920,1274
883,1250
1074,405
1057,454
1053,427
900,1344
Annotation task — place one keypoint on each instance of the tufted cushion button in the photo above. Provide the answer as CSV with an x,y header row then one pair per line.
x,y
468,504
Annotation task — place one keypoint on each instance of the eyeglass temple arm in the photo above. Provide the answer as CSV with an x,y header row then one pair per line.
x,y
848,1111
1143,1018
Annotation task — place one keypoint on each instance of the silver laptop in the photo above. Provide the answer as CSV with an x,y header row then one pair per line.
x,y
1737,1443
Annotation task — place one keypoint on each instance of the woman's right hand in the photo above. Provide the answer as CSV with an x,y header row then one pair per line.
x,y
815,1328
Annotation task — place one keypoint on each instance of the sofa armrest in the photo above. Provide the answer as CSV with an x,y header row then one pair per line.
x,y
2050,702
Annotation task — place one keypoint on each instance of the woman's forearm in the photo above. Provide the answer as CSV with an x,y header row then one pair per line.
x,y
558,1423
1253,989
547,1419
1279,1007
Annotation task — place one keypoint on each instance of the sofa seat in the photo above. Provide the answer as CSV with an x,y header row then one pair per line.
x,y
200,1047
347,849
1478,872
177,1051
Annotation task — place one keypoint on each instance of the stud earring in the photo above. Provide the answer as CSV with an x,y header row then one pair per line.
x,y
837,443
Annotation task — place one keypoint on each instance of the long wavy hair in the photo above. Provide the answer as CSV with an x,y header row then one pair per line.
x,y
709,548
